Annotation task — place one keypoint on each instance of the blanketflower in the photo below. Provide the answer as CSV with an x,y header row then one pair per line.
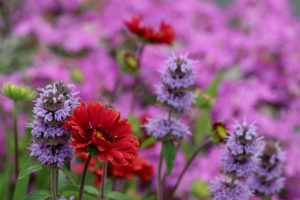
x,y
165,35
139,167
99,131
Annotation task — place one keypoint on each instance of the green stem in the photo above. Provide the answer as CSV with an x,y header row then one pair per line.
x,y
53,183
84,176
159,182
186,168
103,180
16,139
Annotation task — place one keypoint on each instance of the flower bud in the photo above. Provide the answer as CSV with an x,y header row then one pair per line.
x,y
220,131
76,75
128,62
18,93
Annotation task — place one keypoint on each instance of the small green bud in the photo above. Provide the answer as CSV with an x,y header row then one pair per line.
x,y
200,189
220,132
128,62
76,75
18,93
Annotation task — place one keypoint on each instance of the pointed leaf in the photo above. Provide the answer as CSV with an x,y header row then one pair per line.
x,y
169,153
39,195
117,196
148,142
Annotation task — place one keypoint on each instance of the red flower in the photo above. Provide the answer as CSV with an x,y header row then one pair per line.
x,y
139,167
166,33
99,131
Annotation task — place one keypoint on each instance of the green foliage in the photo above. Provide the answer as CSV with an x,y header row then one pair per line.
x,y
169,153
117,196
66,171
5,181
39,195
200,189
148,142
29,170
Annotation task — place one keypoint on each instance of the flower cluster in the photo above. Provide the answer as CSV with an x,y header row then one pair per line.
x,y
166,33
99,131
268,179
177,79
52,107
239,161
139,168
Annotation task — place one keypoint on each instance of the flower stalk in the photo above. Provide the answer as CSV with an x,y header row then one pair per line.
x,y
54,173
159,182
84,177
104,172
16,139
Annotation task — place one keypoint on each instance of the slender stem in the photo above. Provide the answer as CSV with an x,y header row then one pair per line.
x,y
159,182
103,180
84,176
186,168
170,115
16,139
53,183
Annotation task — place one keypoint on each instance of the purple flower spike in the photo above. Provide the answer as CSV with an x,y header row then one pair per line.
x,y
53,105
163,129
268,179
224,189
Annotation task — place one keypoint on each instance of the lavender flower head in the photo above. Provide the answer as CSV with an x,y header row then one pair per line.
x,y
177,78
164,129
268,179
53,105
244,147
225,189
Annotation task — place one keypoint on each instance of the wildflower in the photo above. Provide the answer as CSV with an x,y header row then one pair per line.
x,y
139,168
177,79
52,107
268,179
99,131
225,189
164,129
244,146
165,35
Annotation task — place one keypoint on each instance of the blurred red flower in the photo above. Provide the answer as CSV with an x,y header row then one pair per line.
x,y
97,130
139,167
165,35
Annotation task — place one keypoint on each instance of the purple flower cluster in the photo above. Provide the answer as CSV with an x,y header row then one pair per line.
x,y
268,179
239,161
177,79
161,128
53,105
244,147
225,189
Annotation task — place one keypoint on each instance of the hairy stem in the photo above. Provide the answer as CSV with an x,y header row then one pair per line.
x,y
84,177
54,183
159,181
187,165
16,139
103,180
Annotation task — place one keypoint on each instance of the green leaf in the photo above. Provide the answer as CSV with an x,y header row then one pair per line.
x,y
66,171
91,190
202,126
200,189
169,153
23,180
5,182
29,170
117,196
213,87
21,188
148,142
39,195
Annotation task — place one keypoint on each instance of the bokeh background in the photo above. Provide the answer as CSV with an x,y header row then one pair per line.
x,y
254,43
